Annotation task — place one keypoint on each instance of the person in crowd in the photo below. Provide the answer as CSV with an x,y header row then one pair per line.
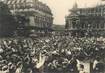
x,y
81,69
55,54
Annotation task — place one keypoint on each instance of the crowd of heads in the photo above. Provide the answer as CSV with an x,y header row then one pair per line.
x,y
61,53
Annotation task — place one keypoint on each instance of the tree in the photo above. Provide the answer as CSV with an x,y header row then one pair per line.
x,y
7,21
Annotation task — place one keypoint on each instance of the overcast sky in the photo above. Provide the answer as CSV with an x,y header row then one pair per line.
x,y
60,7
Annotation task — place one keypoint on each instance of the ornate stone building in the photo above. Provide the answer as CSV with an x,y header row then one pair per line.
x,y
86,21
35,13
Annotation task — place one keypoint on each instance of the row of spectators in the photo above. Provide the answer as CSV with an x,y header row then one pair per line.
x,y
56,54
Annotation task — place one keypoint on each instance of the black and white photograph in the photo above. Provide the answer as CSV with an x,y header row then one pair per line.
x,y
52,36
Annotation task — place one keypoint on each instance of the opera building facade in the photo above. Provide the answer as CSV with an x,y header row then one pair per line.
x,y
34,14
86,21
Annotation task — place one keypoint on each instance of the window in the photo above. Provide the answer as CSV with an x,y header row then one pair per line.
x,y
73,23
13,2
9,2
97,25
18,1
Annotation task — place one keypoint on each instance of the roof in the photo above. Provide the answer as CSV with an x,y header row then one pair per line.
x,y
18,1
97,6
85,11
35,3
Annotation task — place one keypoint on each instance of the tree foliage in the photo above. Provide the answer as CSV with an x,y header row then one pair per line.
x,y
7,21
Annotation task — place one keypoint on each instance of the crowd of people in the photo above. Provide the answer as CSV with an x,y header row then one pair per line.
x,y
55,54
